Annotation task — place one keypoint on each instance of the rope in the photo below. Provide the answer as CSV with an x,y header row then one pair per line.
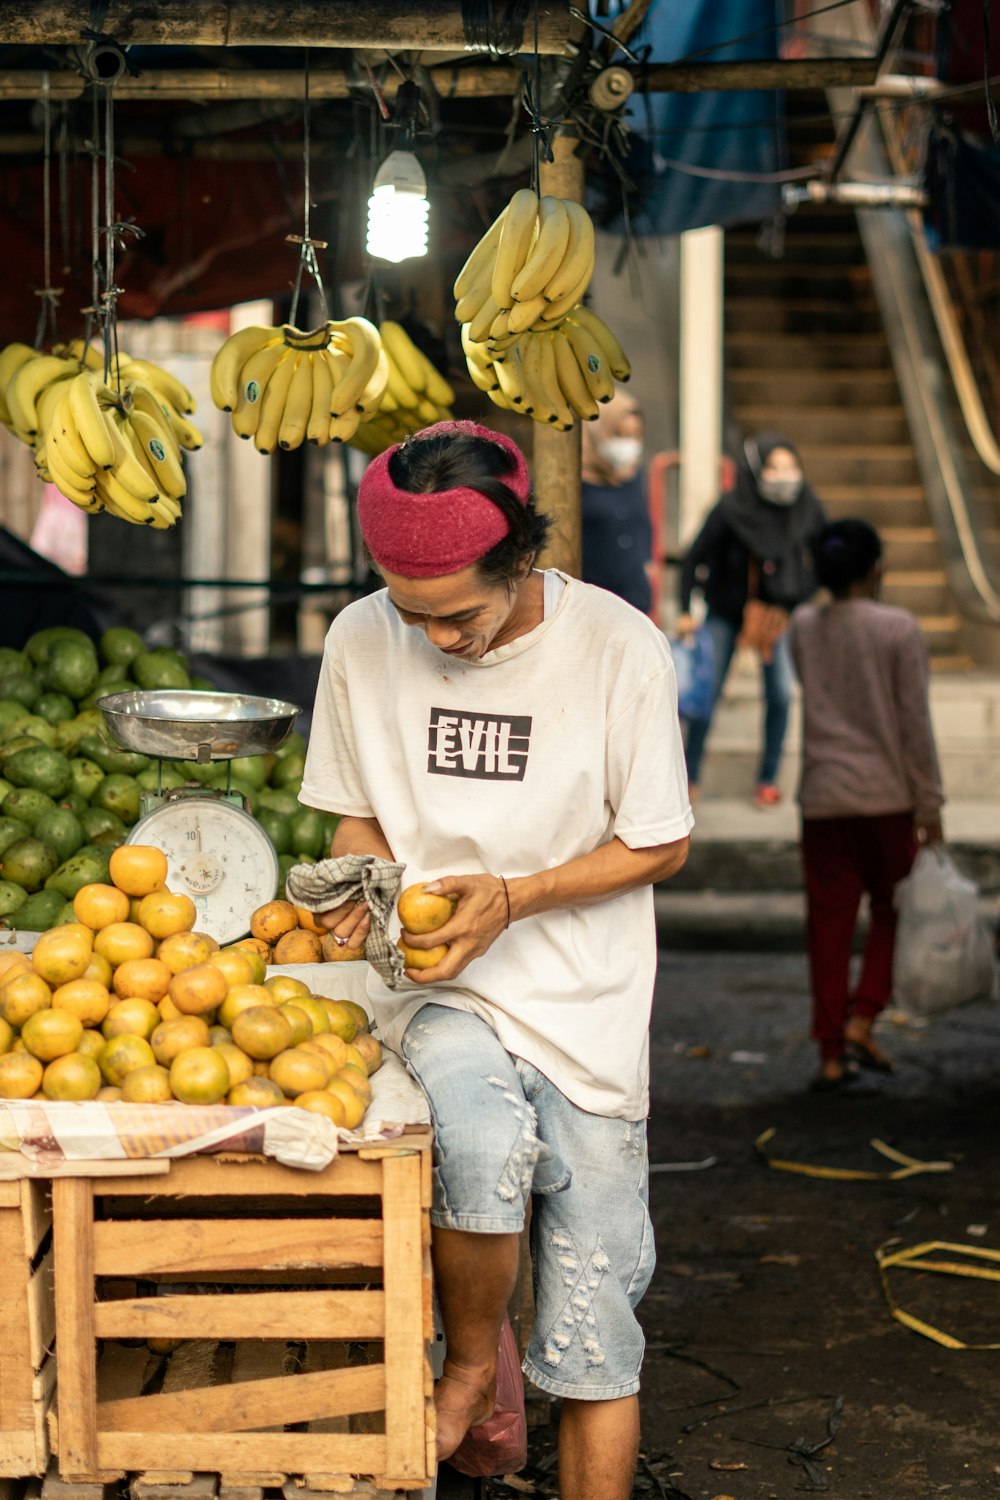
x,y
308,259
499,34
47,292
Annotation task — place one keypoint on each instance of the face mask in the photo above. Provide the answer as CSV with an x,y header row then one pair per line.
x,y
783,490
621,452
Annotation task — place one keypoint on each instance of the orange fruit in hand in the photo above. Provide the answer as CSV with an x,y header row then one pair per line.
x,y
138,869
422,958
87,999
199,989
333,953
97,906
272,920
145,978
164,913
200,1076
309,921
422,911
120,941
63,953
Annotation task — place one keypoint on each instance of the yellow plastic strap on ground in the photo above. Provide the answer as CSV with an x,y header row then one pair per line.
x,y
912,1258
909,1166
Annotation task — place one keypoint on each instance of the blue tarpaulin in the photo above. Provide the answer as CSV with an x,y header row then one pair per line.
x,y
690,154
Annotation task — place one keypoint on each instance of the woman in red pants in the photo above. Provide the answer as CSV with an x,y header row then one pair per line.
x,y
870,787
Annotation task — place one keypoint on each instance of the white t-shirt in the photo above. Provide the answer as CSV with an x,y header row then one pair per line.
x,y
532,755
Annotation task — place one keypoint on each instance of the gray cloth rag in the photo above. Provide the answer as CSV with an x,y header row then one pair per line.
x,y
355,877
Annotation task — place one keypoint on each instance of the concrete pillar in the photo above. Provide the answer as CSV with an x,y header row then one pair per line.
x,y
700,375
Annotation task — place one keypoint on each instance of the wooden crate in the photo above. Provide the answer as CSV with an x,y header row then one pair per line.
x,y
27,1369
315,1287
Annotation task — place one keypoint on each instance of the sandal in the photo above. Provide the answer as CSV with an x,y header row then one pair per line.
x,y
766,796
823,1085
866,1055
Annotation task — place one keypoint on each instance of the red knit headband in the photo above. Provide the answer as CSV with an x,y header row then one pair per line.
x,y
430,535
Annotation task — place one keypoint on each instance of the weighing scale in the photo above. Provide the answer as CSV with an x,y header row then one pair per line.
x,y
216,853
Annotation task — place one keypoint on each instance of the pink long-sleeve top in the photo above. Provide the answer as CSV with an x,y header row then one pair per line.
x,y
867,742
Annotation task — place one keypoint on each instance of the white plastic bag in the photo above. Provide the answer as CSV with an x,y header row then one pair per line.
x,y
944,948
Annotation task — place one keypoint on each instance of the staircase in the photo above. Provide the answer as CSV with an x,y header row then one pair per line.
x,y
806,356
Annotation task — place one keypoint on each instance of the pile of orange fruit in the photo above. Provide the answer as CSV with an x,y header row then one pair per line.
x,y
287,934
128,1003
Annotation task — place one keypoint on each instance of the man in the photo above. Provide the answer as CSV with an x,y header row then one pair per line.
x,y
511,736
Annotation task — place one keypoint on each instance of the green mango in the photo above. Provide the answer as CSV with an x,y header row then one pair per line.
x,y
21,689
71,802
62,830
202,684
27,804
72,668
110,840
32,725
289,770
285,803
39,912
111,761
86,777
88,866
46,770
308,830
160,669
294,745
97,820
204,772
161,776
39,646
277,828
55,708
105,690
10,708
11,830
11,897
119,795
68,736
119,646
5,787
28,862
250,768
13,661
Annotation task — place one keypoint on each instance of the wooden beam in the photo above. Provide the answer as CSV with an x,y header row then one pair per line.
x,y
478,81
393,25
556,455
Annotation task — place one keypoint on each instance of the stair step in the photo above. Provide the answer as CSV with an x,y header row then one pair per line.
x,y
827,388
925,593
841,249
825,424
796,278
911,548
778,349
801,315
860,464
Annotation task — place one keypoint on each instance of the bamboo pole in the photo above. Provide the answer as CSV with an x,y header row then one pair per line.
x,y
556,455
458,81
393,25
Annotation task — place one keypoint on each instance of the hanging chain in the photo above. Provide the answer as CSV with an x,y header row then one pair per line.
x,y
48,293
308,259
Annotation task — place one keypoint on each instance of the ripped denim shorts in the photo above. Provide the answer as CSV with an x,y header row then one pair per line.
x,y
504,1132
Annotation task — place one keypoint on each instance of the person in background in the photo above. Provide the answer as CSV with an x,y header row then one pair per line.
x,y
870,787
617,532
755,544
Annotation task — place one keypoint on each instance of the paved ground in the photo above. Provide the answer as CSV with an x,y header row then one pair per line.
x,y
766,1323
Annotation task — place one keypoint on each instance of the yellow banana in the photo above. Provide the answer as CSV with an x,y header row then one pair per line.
x,y
538,402
481,258
224,378
254,379
298,404
272,403
427,411
591,359
388,402
547,252
578,260
48,401
618,362
468,306
556,311
27,384
159,457
64,426
480,325
518,230
499,399
368,402
436,388
12,357
365,345
563,416
570,376
473,350
163,383
75,487
510,376
404,354
318,425
54,453
123,502
91,426
524,315
399,388
87,355
342,429
129,471
144,399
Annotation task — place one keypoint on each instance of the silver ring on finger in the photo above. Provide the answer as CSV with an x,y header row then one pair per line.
x,y
340,942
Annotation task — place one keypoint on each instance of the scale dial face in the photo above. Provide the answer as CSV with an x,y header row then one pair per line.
x,y
216,854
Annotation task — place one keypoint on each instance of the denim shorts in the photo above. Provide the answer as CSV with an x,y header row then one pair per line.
x,y
503,1132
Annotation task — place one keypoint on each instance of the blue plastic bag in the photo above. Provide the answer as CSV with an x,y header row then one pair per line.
x,y
695,668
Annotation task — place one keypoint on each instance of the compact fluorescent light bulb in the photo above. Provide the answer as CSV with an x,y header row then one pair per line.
x,y
397,209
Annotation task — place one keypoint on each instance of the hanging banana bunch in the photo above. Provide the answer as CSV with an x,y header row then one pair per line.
x,y
284,386
416,394
529,343
113,447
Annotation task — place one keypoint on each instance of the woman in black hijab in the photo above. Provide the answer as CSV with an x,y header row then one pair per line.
x,y
754,545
